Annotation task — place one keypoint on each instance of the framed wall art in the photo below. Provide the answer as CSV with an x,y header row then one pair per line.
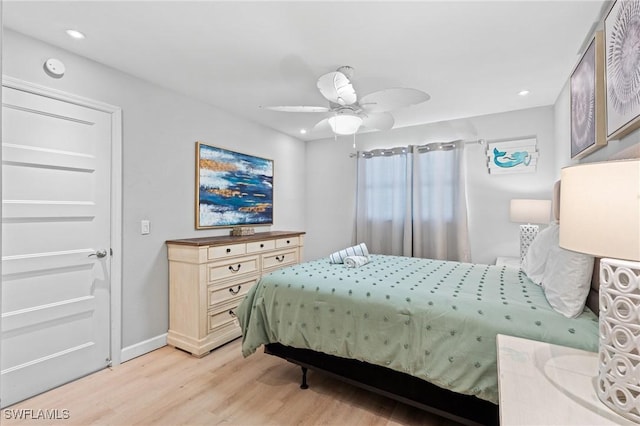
x,y
512,156
587,100
232,189
622,38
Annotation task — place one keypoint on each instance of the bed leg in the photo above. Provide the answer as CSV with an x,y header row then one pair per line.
x,y
304,384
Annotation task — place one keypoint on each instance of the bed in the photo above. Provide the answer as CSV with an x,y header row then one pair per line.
x,y
419,330
423,331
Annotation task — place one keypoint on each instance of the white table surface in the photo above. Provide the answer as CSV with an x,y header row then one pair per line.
x,y
544,384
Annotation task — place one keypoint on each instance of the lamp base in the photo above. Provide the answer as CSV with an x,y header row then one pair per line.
x,y
619,347
527,234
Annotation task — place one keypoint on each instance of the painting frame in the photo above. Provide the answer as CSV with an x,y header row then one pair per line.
x,y
587,92
622,86
512,156
232,188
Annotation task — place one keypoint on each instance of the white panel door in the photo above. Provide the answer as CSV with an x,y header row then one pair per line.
x,y
55,243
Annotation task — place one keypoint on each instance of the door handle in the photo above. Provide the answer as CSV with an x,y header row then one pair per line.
x,y
99,254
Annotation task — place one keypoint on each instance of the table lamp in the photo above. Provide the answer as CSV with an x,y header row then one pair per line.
x,y
529,212
600,215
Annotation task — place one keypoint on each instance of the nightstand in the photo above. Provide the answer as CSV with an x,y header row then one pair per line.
x,y
545,384
512,262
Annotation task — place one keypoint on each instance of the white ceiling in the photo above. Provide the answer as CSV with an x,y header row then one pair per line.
x,y
472,57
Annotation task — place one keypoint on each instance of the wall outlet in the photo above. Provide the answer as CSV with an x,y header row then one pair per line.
x,y
145,227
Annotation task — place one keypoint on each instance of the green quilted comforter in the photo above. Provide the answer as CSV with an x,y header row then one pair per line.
x,y
435,320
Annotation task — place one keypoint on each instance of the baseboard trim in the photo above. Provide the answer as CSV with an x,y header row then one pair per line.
x,y
142,348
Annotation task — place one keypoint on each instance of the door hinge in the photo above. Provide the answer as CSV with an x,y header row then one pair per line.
x,y
111,252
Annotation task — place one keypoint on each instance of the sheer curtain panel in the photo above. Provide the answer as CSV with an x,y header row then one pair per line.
x,y
412,201
440,229
383,201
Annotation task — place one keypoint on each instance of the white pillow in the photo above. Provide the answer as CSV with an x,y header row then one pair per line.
x,y
536,258
566,280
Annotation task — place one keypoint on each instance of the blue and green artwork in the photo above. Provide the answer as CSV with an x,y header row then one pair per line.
x,y
512,156
501,159
234,189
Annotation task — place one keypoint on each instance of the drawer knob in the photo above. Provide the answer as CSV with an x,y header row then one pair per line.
x,y
280,258
232,291
261,245
288,242
232,269
233,314
228,250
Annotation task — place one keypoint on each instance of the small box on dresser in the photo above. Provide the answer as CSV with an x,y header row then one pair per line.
x,y
209,277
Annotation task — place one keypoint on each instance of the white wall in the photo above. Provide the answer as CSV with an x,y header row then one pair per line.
x,y
160,128
331,180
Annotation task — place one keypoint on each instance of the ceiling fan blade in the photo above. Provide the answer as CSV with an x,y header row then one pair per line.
x,y
378,120
299,108
336,87
390,99
321,126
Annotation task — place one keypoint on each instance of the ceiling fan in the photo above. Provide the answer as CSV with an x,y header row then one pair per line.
x,y
347,112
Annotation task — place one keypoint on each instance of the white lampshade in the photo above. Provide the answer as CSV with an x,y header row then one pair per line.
x,y
600,209
530,211
600,216
345,123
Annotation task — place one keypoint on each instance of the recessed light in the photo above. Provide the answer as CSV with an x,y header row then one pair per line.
x,y
303,131
75,34
523,92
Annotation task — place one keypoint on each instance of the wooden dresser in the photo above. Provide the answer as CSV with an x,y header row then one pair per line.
x,y
209,277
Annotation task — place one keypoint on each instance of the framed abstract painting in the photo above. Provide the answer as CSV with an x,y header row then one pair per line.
x,y
232,189
587,100
622,41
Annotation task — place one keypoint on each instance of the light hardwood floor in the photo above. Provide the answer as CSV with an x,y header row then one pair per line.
x,y
171,387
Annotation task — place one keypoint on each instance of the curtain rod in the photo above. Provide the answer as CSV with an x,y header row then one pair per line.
x,y
431,146
457,141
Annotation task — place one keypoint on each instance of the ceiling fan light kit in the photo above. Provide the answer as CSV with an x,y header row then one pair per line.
x,y
345,123
349,115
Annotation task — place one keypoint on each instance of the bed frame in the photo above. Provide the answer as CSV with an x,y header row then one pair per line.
x,y
402,387
464,409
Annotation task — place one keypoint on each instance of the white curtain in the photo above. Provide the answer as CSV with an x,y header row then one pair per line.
x,y
383,201
440,228
412,202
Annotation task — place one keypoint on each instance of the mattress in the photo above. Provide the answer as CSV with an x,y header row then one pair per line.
x,y
436,320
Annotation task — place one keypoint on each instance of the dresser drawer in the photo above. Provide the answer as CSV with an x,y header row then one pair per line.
x,y
222,293
279,259
260,246
220,252
222,322
224,315
288,242
233,268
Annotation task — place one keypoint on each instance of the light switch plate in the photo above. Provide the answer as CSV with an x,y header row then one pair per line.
x,y
145,227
